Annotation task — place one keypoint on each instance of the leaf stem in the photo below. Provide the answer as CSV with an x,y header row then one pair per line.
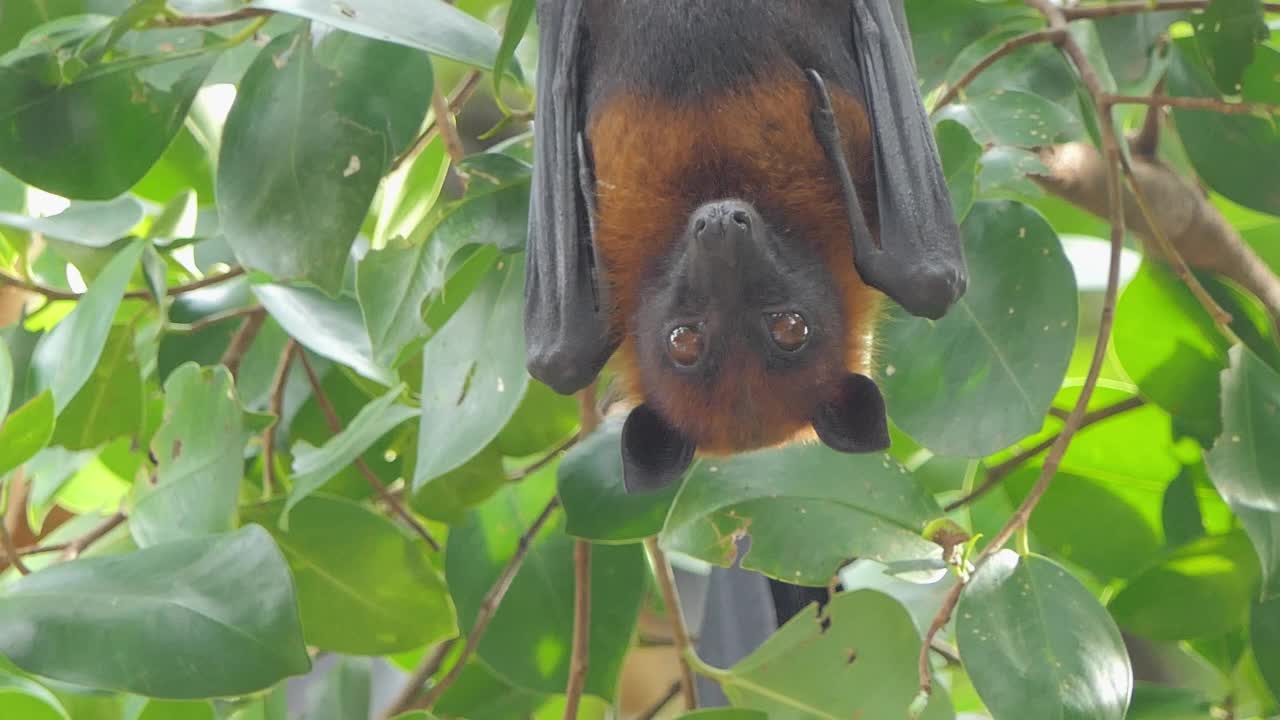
x,y
276,408
667,582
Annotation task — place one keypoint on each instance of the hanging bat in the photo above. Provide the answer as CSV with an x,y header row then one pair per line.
x,y
723,192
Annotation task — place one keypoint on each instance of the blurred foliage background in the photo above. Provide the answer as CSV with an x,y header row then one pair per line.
x,y
266,417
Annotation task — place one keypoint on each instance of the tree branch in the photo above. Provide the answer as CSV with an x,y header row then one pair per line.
x,y
580,659
426,669
489,605
84,542
55,294
457,99
335,426
1197,103
680,633
1132,8
276,408
243,340
11,554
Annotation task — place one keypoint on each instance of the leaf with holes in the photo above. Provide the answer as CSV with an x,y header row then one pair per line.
x,y
1037,643
473,374
1005,344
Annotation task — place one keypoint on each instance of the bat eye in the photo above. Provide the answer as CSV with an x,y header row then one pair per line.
x,y
685,345
788,330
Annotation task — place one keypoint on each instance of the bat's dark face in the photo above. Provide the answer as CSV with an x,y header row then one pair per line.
x,y
741,342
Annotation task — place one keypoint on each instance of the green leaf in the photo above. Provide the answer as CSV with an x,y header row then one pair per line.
x,y
1037,643
1264,633
1106,528
1236,155
92,131
870,644
448,497
410,193
364,586
28,700
1014,117
110,403
724,714
1228,32
200,455
535,655
959,153
393,283
313,467
430,25
1156,702
473,374
326,326
596,504
518,16
21,16
544,420
26,431
311,134
479,694
941,29
213,616
807,509
343,693
174,710
1005,344
65,358
1181,517
1243,461
1176,368
6,377
1005,169
91,224
1201,589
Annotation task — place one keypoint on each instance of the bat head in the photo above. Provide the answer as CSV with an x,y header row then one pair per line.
x,y
741,342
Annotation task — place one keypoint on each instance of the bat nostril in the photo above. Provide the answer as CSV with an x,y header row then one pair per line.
x,y
699,226
741,218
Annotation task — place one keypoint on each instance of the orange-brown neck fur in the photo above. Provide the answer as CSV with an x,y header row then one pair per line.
x,y
656,161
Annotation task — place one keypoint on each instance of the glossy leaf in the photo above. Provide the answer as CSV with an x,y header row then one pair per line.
x,y
313,467
1014,117
326,326
65,358
110,404
959,153
940,29
1244,459
1037,643
1227,32
92,133
365,587
199,452
473,374
430,25
1236,155
448,498
394,283
1201,589
26,431
343,692
479,694
596,504
312,132
29,700
535,655
6,377
544,420
174,710
176,612
870,645
724,714
92,224
1005,344
807,510
1264,632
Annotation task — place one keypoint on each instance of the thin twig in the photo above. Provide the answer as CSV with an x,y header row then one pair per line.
x,y
1132,8
55,294
276,408
457,99
679,631
545,460
580,659
42,549
207,322
84,542
243,340
426,669
489,605
1053,35
946,652
997,473
1115,190
11,553
335,426
1197,103
661,703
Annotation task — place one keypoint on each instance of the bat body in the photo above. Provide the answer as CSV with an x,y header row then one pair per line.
x,y
723,194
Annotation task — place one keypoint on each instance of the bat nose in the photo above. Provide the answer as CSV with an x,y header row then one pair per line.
x,y
724,219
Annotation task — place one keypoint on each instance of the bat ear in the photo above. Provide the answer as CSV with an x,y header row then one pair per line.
x,y
654,454
853,419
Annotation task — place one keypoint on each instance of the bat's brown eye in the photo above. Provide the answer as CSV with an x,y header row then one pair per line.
x,y
685,345
788,330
